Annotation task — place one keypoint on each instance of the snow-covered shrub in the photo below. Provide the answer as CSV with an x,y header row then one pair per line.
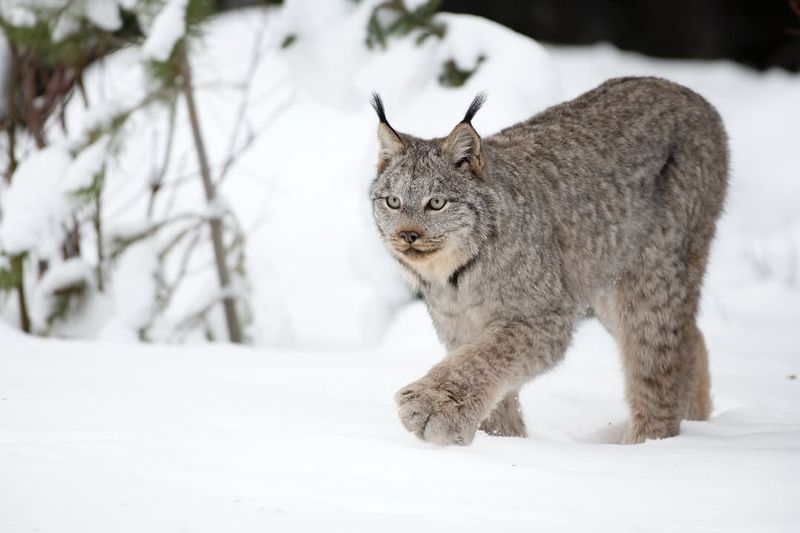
x,y
54,200
50,188
281,103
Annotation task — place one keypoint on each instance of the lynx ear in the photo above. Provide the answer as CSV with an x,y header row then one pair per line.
x,y
391,144
463,145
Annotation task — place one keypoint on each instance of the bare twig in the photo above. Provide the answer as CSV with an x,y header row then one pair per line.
x,y
183,265
11,119
71,247
98,228
177,238
241,112
251,138
158,180
196,318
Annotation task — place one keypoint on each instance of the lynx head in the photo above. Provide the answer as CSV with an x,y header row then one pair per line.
x,y
429,198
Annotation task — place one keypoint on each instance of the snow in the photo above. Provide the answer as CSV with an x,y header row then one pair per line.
x,y
168,26
65,25
34,206
84,169
123,89
71,273
300,433
412,5
17,14
99,437
137,267
104,14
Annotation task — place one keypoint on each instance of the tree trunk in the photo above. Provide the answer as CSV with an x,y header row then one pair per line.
x,y
215,224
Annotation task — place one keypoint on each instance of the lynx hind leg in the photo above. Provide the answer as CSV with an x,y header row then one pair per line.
x,y
664,356
699,407
506,418
699,403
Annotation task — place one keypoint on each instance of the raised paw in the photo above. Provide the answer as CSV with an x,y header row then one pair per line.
x,y
438,412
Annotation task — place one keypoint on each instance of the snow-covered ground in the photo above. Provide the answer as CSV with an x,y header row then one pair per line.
x,y
113,436
101,437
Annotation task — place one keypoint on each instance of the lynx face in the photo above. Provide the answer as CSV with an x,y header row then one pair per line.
x,y
429,200
428,210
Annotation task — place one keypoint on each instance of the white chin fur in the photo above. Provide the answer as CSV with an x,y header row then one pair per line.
x,y
435,268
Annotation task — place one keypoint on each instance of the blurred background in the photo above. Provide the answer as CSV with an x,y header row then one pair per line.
x,y
757,33
196,170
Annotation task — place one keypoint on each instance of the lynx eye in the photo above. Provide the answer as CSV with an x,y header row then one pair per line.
x,y
393,202
436,203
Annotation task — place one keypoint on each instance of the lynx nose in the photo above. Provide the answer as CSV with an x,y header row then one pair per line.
x,y
409,236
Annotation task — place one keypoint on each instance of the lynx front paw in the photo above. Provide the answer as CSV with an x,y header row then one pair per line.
x,y
438,412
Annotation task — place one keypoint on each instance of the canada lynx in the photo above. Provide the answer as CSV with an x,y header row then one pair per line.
x,y
607,203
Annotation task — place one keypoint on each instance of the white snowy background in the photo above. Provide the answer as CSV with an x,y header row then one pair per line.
x,y
298,432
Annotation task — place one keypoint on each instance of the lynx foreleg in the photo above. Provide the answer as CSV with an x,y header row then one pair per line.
x,y
450,401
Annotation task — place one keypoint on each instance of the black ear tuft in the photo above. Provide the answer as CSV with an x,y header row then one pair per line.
x,y
390,142
476,104
377,105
